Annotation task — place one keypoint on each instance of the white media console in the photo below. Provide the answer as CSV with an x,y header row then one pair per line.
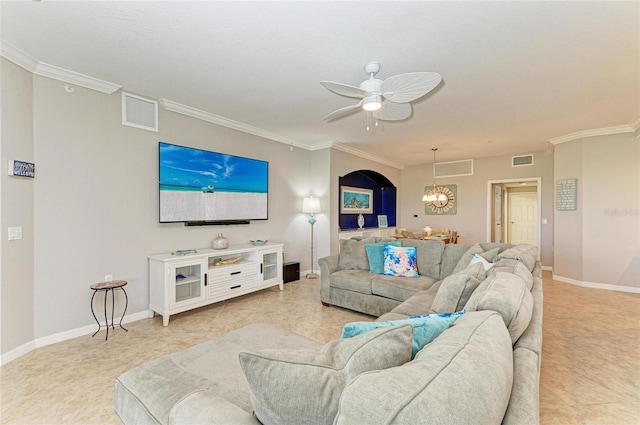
x,y
179,283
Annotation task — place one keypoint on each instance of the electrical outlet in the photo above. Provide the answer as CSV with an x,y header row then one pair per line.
x,y
108,277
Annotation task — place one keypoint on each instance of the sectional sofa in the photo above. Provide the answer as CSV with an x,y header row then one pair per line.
x,y
482,369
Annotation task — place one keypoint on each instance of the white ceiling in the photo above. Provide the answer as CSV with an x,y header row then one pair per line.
x,y
515,74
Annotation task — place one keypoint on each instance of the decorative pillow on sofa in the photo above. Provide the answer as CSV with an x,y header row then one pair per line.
x,y
524,252
353,255
400,261
516,267
507,294
479,259
303,386
467,257
456,289
425,328
375,255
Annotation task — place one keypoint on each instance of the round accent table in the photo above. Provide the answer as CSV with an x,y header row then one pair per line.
x,y
106,287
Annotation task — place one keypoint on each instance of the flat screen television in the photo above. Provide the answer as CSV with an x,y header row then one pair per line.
x,y
200,187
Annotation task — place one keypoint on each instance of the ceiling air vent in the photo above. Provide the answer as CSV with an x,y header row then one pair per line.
x,y
522,160
139,112
455,168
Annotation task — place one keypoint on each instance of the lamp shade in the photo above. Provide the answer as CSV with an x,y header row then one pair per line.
x,y
311,205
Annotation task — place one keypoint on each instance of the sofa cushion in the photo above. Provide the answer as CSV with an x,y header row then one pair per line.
x,y
467,258
417,304
507,294
516,267
352,280
478,258
429,255
463,377
523,252
426,328
375,255
463,263
302,386
146,394
400,288
400,261
353,255
456,289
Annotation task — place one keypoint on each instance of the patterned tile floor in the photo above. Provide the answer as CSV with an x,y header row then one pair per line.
x,y
590,364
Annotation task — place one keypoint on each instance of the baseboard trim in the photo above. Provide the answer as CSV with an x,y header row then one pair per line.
x,y
548,268
596,285
64,336
17,352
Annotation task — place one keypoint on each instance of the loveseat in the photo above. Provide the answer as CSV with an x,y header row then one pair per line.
x,y
482,369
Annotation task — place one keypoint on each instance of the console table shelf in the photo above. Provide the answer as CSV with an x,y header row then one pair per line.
x,y
248,268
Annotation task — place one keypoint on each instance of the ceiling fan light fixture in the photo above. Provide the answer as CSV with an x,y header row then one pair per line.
x,y
372,103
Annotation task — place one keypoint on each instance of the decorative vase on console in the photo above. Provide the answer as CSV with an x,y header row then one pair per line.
x,y
220,242
427,231
360,221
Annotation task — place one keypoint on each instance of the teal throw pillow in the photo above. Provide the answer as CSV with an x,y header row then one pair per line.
x,y
400,261
425,328
375,255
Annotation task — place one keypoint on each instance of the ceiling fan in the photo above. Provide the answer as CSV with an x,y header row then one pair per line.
x,y
388,100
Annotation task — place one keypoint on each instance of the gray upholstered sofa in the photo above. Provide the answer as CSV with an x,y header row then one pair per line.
x,y
483,369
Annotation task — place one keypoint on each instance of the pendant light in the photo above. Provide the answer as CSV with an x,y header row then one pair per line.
x,y
434,194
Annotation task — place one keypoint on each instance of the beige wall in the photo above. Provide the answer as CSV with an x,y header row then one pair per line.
x,y
471,218
16,209
92,209
600,242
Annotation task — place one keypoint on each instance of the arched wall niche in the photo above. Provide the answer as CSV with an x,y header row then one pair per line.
x,y
384,198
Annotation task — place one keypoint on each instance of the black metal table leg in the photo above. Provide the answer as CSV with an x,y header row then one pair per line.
x,y
126,304
94,314
105,314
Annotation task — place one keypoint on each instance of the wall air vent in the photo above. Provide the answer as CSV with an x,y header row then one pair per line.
x,y
139,112
454,168
522,160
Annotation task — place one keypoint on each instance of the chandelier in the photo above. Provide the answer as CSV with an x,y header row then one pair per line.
x,y
434,194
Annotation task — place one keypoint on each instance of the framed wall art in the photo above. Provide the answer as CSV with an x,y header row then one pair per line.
x,y
447,206
356,200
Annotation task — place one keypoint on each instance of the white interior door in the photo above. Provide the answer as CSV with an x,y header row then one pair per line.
x,y
497,208
523,218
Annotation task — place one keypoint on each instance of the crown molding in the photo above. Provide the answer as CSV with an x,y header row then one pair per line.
x,y
179,108
22,59
17,56
591,133
320,145
61,74
365,155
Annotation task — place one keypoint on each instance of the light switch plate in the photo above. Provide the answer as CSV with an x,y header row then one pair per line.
x,y
15,233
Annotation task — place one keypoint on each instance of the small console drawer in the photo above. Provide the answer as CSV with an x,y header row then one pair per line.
x,y
223,289
233,270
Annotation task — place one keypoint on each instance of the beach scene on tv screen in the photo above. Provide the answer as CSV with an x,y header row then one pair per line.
x,y
199,185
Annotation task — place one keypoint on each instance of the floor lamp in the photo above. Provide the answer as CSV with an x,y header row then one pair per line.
x,y
311,205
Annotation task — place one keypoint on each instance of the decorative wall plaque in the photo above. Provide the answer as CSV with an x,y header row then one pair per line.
x,y
567,195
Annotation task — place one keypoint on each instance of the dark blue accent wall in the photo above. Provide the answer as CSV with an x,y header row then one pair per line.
x,y
384,199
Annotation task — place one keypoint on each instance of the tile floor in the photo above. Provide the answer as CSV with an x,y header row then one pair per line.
x,y
590,364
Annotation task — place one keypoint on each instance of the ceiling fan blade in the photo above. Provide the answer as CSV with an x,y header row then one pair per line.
x,y
408,87
345,89
342,112
392,111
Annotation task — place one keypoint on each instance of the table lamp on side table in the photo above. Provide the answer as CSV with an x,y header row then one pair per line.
x,y
311,205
